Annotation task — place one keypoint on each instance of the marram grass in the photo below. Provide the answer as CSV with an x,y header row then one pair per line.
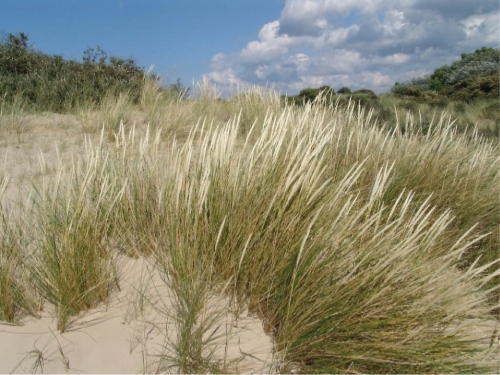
x,y
361,249
72,265
341,278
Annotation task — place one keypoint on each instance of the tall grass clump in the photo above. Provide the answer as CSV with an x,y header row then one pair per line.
x,y
139,166
191,348
142,223
167,108
305,224
253,104
452,170
72,264
16,288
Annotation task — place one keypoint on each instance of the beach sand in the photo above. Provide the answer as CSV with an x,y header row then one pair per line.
x,y
127,336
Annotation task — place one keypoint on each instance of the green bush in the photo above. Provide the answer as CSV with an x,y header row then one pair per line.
x,y
308,95
417,84
367,92
410,106
438,102
475,88
365,98
474,76
344,90
53,83
403,90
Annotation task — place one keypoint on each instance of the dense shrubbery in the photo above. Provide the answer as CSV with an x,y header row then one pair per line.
x,y
47,82
483,62
308,95
364,96
344,90
474,76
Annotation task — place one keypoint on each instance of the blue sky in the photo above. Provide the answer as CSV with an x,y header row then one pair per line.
x,y
291,44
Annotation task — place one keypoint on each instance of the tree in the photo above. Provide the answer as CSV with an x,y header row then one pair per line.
x,y
344,90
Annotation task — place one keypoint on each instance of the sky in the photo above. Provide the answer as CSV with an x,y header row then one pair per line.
x,y
285,44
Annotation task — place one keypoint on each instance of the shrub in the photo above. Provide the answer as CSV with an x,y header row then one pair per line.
x,y
439,102
417,84
327,90
344,90
492,111
483,62
367,92
308,95
53,83
474,76
475,88
407,90
410,106
365,98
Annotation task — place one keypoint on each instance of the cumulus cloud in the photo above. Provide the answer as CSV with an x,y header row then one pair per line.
x,y
481,28
358,43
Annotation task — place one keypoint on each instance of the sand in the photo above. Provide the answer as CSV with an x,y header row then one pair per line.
x,y
122,337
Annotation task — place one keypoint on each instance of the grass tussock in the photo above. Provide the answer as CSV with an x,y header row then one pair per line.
x,y
17,297
361,248
72,265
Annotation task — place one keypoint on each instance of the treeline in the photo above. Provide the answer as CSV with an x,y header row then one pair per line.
x,y
308,95
474,76
51,83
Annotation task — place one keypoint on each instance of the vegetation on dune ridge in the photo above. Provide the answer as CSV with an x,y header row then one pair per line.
x,y
364,246
457,81
30,80
52,83
468,89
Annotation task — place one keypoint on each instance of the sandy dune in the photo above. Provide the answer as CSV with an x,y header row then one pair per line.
x,y
122,337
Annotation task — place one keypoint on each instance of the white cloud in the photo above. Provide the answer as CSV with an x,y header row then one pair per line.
x,y
270,44
301,61
394,22
322,23
306,9
220,62
262,71
269,31
339,35
257,51
342,61
376,79
485,27
396,59
358,43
